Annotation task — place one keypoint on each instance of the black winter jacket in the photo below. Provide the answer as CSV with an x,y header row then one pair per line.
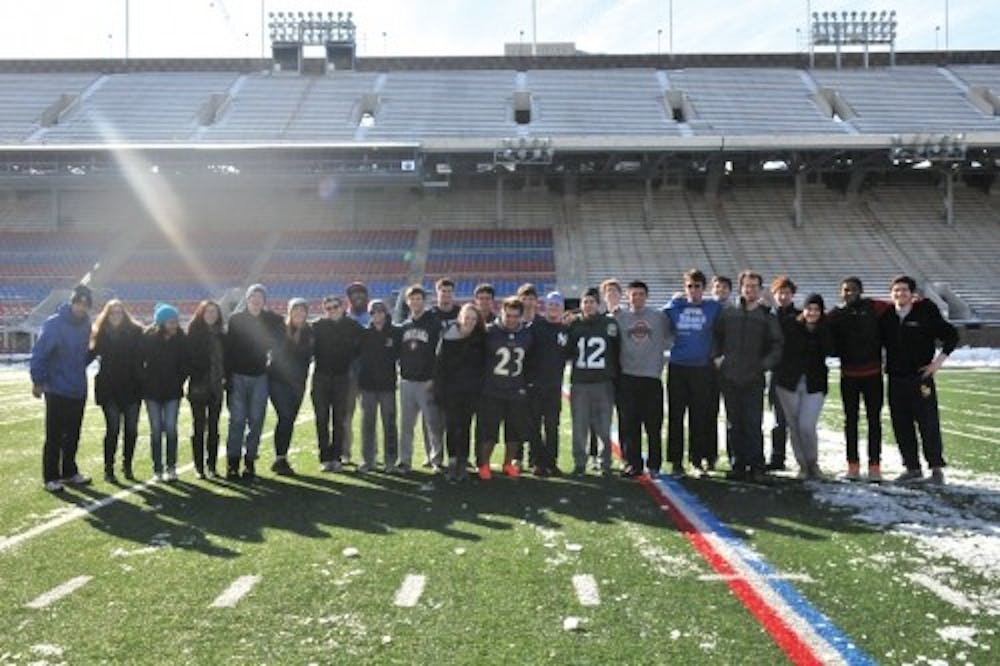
x,y
205,349
290,359
749,341
804,353
250,340
460,365
379,354
117,382
336,344
164,365
910,343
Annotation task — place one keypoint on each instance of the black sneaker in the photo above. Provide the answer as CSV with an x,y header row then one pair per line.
x,y
110,477
629,472
736,475
911,476
759,476
775,466
677,471
282,468
579,470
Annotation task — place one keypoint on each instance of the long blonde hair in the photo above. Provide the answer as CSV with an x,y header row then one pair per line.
x,y
102,324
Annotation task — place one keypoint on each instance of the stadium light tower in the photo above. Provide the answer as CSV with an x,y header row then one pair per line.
x,y
291,31
853,29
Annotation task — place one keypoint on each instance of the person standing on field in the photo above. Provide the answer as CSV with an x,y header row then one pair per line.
x,y
645,336
856,338
336,344
287,376
592,345
164,369
252,334
691,377
379,355
419,333
911,331
206,385
746,343
783,294
800,381
59,373
115,342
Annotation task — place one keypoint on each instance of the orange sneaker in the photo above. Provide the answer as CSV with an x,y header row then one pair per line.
x,y
875,473
853,471
484,472
511,470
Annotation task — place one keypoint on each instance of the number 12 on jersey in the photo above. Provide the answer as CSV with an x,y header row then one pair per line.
x,y
590,353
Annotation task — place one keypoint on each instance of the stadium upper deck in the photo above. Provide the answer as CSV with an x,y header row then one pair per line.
x,y
471,104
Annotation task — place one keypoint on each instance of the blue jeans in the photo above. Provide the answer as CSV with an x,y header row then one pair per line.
x,y
163,421
247,407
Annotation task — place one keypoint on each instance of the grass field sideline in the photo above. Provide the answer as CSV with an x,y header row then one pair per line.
x,y
909,574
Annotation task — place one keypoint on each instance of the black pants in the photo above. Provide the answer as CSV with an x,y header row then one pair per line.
x,y
117,418
913,402
779,433
545,403
205,438
714,398
852,390
329,398
63,417
458,413
692,389
745,413
641,407
287,400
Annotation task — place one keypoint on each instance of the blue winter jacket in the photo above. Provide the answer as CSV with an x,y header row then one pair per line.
x,y
59,359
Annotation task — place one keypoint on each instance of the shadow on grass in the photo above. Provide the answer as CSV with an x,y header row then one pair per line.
x,y
201,515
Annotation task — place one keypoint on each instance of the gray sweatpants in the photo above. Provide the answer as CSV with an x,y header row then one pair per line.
x,y
591,405
373,402
416,398
802,415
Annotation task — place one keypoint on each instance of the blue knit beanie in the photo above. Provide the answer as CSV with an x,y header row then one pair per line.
x,y
163,312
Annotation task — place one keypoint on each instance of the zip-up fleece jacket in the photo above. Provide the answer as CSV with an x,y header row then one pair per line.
x,y
749,341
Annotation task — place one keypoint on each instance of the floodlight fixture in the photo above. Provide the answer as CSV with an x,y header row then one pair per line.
x,y
854,28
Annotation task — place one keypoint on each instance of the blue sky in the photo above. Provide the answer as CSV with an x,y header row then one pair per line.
x,y
232,28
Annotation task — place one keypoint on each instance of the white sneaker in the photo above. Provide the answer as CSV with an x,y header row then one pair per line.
x,y
54,486
332,466
364,468
78,480
171,475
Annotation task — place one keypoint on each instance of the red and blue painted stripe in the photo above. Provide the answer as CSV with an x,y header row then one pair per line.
x,y
802,632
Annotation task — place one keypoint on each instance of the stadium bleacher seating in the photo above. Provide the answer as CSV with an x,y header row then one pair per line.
x,y
32,263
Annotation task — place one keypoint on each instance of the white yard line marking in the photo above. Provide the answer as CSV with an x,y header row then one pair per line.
x,y
802,578
968,435
236,591
586,590
943,592
8,542
57,593
409,592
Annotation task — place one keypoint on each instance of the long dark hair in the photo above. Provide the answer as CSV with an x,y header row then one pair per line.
x,y
103,324
199,326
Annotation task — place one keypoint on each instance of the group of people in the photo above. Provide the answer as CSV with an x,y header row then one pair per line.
x,y
470,370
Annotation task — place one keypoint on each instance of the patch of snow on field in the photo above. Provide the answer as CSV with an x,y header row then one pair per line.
x,y
662,561
955,523
959,634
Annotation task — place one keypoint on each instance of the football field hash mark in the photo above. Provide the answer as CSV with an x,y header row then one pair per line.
x,y
586,590
410,591
236,591
57,593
